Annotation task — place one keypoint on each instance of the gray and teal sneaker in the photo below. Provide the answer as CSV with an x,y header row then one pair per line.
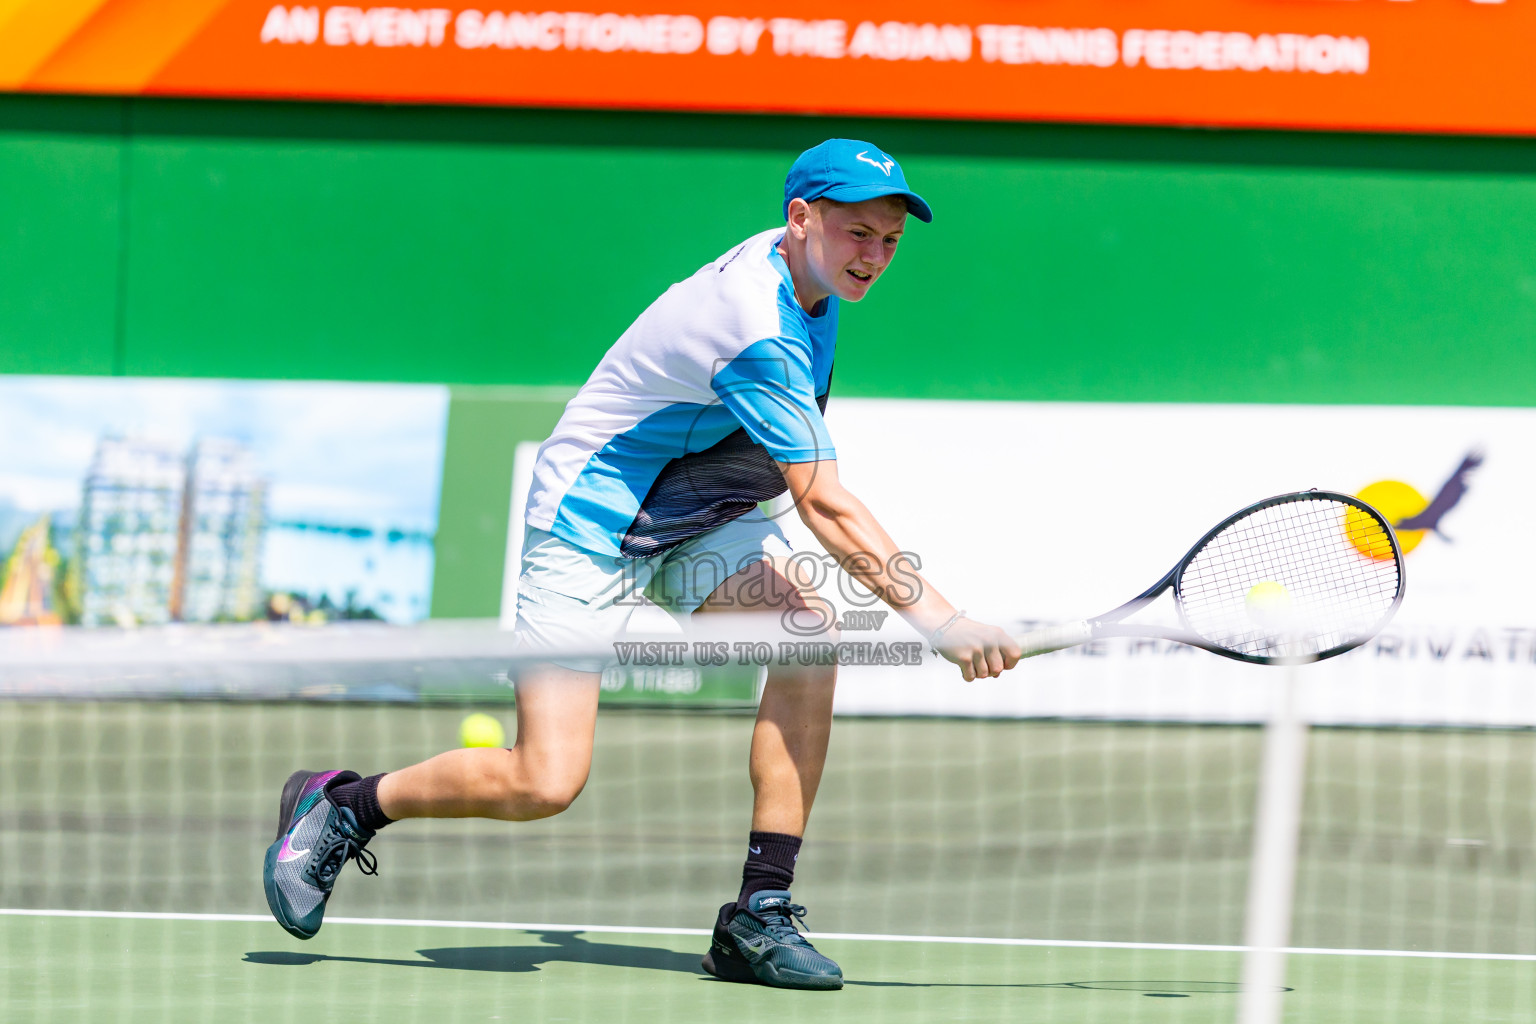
x,y
760,943
315,839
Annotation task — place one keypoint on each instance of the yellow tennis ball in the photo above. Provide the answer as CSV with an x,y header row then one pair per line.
x,y
481,730
1268,603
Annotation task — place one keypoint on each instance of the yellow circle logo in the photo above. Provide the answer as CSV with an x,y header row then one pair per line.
x,y
1396,501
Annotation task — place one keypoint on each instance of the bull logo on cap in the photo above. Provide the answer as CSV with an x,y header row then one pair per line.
x,y
885,167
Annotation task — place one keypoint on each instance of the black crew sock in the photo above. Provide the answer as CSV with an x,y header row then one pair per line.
x,y
770,863
362,797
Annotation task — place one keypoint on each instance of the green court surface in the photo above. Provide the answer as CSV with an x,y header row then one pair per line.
x,y
153,971
1061,838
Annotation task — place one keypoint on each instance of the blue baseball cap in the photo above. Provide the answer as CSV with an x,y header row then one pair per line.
x,y
850,171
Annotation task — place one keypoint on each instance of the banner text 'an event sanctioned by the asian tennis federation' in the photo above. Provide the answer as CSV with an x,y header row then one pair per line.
x,y
1432,65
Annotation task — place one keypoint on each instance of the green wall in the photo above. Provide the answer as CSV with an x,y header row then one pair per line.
x,y
485,425
511,247
496,248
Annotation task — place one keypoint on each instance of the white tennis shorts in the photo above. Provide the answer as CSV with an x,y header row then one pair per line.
x,y
570,599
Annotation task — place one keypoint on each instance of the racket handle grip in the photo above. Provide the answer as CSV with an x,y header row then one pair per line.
x,y
1054,638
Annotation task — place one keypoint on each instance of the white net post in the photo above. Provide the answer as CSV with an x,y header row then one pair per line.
x,y
1276,834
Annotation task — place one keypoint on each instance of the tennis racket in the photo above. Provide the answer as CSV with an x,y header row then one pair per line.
x,y
1294,578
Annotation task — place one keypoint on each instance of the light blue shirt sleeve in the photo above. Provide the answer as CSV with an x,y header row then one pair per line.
x,y
771,389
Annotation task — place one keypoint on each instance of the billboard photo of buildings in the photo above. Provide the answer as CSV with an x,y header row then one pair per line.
x,y
133,501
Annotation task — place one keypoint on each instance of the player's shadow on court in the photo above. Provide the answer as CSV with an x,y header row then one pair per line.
x,y
559,947
570,947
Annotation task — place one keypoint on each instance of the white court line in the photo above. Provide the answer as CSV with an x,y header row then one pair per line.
x,y
390,922
509,926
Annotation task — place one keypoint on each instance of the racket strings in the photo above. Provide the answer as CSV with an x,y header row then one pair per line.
x,y
1326,598
1295,579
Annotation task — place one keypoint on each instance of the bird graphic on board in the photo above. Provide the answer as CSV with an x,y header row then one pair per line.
x,y
1444,500
1411,515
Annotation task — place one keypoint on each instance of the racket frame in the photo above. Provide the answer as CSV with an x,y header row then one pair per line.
x,y
1110,623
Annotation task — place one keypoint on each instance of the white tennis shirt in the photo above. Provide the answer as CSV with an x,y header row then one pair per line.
x,y
678,428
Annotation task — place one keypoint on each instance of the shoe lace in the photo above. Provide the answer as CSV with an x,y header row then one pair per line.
x,y
333,856
780,923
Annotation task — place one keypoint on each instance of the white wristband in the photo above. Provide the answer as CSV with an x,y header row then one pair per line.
x,y
933,638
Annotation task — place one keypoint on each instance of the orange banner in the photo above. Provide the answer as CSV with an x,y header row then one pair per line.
x,y
1396,65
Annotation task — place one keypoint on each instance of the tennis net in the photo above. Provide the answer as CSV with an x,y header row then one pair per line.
x,y
991,865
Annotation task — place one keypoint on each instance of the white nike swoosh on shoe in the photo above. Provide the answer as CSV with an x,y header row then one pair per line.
x,y
288,853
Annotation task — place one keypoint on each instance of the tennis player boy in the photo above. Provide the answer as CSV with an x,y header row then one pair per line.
x,y
708,404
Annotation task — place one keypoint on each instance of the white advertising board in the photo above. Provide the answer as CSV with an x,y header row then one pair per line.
x,y
1043,512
